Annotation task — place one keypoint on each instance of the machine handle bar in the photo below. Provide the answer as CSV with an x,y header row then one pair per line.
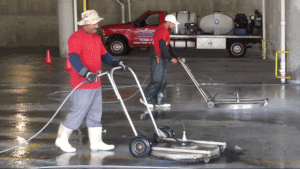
x,y
111,78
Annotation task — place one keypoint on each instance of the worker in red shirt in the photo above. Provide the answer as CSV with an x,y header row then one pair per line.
x,y
86,54
156,90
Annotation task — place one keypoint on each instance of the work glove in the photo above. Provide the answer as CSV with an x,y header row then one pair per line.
x,y
124,67
91,77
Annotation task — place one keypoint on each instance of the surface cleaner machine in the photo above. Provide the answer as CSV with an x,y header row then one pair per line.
x,y
234,103
164,144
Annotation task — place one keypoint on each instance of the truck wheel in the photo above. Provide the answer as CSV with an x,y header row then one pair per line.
x,y
237,49
117,47
128,50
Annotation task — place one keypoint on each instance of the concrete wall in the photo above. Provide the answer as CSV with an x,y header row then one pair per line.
x,y
273,27
28,23
35,22
293,39
273,19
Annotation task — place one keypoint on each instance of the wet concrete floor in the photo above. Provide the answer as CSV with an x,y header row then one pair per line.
x,y
258,137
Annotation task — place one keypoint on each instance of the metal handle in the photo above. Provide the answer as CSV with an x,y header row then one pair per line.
x,y
189,72
110,76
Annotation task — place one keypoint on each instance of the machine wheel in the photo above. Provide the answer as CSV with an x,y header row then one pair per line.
x,y
206,159
222,149
117,47
167,131
210,104
266,103
140,147
237,49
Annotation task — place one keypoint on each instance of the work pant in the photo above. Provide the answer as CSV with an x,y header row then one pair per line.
x,y
156,90
86,104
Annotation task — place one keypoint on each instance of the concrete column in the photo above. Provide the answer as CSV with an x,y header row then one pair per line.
x,y
293,40
66,25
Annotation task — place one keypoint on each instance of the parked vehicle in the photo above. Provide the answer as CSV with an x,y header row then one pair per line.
x,y
215,31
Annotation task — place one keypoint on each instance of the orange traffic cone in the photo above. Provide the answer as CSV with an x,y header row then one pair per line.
x,y
48,58
68,64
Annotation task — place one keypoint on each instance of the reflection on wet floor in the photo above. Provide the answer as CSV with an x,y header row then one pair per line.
x,y
256,137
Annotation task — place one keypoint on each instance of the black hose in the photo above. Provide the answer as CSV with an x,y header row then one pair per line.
x,y
181,143
177,120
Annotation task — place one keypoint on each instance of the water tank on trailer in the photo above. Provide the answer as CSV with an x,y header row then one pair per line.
x,y
183,17
216,23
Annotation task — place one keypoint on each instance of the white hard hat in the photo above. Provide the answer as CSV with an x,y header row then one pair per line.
x,y
172,19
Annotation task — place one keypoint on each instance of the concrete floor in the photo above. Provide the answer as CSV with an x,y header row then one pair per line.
x,y
261,137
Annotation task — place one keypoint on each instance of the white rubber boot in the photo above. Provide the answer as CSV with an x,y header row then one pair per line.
x,y
62,140
95,136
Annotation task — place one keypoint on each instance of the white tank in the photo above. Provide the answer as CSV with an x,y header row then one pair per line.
x,y
217,23
183,17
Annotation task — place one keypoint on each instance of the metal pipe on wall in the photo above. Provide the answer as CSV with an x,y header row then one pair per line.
x,y
75,15
129,11
122,11
65,22
264,29
84,5
282,58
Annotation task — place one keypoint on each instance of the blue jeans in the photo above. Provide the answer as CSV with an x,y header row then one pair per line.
x,y
156,90
86,104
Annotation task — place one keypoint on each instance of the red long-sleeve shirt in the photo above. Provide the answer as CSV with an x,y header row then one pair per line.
x,y
90,48
161,33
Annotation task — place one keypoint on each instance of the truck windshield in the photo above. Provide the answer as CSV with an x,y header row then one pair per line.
x,y
148,20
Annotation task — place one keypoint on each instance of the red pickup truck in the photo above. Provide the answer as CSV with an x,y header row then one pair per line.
x,y
121,38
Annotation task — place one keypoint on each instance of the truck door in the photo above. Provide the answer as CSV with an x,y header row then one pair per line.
x,y
144,29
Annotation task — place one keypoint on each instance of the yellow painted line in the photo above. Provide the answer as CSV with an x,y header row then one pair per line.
x,y
26,158
203,121
272,160
133,158
73,157
32,120
235,73
121,158
189,121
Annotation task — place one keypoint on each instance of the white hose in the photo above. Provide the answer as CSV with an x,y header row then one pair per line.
x,y
47,122
130,97
25,142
